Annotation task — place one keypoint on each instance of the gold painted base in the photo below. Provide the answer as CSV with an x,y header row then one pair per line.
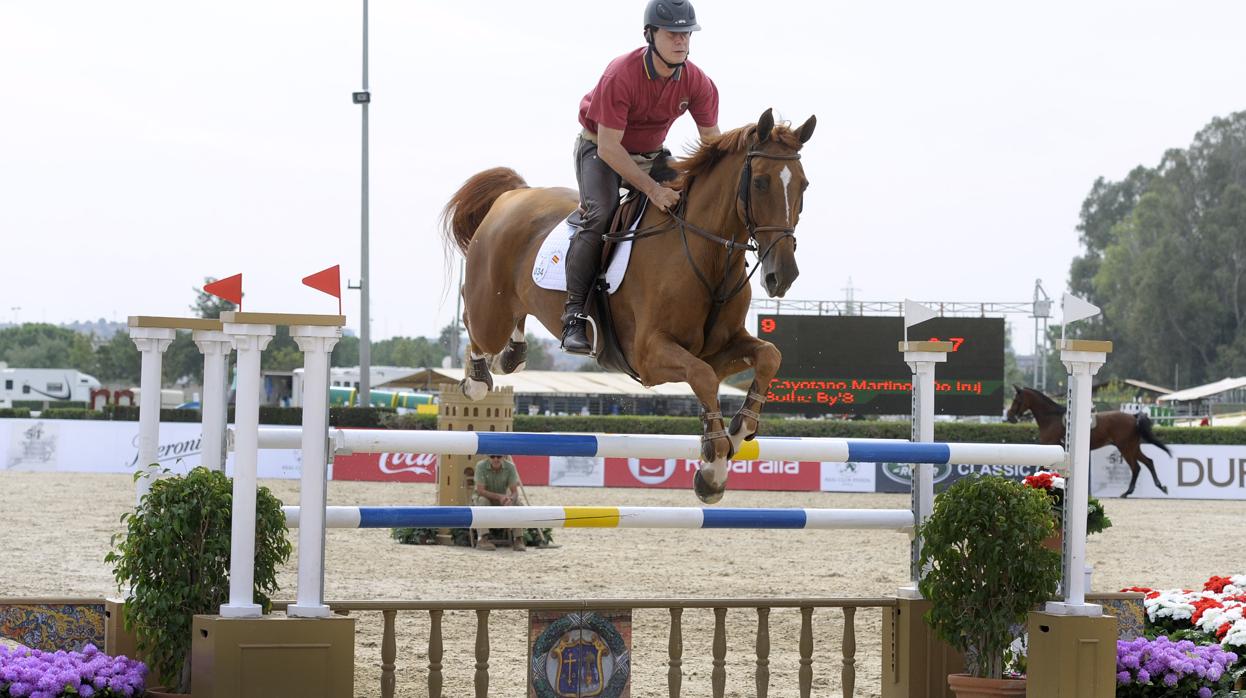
x,y
273,657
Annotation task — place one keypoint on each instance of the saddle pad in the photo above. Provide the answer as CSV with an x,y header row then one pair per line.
x,y
549,270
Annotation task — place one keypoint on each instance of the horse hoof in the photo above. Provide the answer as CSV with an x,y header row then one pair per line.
x,y
1163,489
474,390
706,492
1124,495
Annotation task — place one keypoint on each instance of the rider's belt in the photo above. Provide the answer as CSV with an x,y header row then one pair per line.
x,y
642,159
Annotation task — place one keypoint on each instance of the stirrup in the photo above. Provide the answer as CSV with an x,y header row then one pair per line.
x,y
596,335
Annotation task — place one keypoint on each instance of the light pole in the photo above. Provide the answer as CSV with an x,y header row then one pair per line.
x,y
15,308
1042,311
364,98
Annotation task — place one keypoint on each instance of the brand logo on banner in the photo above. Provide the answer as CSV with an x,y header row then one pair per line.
x,y
32,446
848,477
394,463
576,471
652,471
902,473
171,451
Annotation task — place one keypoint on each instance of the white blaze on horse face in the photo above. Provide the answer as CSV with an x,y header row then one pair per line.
x,y
786,177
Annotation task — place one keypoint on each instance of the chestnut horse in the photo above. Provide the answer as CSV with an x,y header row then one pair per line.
x,y
1120,429
679,313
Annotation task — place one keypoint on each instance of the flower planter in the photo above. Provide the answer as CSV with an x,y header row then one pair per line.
x,y
966,686
162,692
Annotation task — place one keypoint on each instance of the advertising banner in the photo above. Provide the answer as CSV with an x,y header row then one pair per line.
x,y
1193,471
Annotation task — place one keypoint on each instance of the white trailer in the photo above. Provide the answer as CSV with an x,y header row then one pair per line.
x,y
50,385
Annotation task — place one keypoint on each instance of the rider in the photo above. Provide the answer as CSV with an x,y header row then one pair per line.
x,y
625,119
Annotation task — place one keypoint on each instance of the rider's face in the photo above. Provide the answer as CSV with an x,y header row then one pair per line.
x,y
672,45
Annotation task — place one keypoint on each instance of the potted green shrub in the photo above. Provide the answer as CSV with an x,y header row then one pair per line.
x,y
985,569
174,559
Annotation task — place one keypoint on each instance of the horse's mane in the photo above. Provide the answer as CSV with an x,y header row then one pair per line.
x,y
712,150
1046,401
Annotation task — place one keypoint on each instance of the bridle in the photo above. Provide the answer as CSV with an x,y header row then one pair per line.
x,y
744,197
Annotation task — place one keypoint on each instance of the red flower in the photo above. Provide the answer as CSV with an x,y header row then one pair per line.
x,y
1223,630
1141,589
1040,481
1217,584
1201,606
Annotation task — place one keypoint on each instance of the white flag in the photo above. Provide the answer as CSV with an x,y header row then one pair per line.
x,y
1075,309
915,313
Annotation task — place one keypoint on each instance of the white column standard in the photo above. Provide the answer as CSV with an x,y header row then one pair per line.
x,y
249,340
1082,358
151,343
921,358
215,346
316,342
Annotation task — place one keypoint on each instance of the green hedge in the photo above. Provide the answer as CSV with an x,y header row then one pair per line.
x,y
15,413
38,404
1227,436
71,413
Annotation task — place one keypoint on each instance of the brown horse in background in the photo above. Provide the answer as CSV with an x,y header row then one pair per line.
x,y
679,313
1120,429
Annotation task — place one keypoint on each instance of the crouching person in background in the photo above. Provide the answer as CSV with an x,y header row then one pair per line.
x,y
497,484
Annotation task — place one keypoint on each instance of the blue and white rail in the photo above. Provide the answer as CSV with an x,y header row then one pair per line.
x,y
468,443
608,517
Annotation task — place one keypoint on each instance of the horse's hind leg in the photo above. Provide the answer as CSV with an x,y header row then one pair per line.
x,y
1131,458
486,333
515,356
1150,465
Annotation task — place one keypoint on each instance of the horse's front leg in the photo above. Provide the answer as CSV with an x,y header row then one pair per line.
x,y
662,360
743,352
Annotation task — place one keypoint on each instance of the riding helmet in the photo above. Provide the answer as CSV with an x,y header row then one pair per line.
x,y
671,15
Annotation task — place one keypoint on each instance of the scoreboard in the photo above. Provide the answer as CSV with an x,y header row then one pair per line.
x,y
851,365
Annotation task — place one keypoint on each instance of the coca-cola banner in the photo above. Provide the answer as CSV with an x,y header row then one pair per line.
x,y
421,467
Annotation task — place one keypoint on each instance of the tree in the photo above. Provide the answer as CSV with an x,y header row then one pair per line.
x,y
39,345
345,352
1165,257
407,351
181,360
453,341
118,360
1012,374
283,352
539,358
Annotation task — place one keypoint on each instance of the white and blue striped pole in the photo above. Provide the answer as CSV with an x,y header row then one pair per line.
x,y
608,517
663,446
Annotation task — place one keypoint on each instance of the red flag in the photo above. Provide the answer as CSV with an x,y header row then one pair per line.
x,y
230,289
328,281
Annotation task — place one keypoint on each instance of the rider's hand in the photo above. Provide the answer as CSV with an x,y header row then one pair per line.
x,y
664,198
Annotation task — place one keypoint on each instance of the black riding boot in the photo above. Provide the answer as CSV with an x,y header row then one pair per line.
x,y
582,260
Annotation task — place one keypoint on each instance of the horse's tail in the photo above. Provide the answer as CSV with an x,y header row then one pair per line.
x,y
467,208
1144,430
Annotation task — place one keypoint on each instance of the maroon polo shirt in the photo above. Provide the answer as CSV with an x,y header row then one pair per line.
x,y
633,98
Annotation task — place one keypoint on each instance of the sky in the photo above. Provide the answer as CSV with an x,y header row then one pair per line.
x,y
147,145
